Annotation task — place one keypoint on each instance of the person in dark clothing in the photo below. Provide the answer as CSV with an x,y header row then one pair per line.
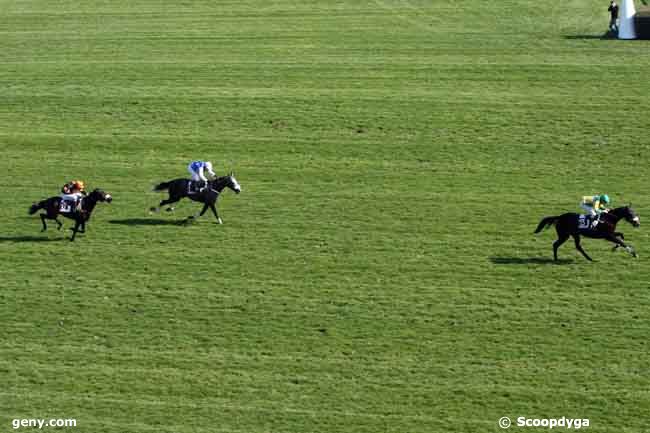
x,y
613,14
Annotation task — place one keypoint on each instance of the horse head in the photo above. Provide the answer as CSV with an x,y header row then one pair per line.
x,y
233,184
228,181
631,216
628,214
99,195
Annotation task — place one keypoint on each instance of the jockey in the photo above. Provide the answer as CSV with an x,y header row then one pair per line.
x,y
74,191
595,205
198,168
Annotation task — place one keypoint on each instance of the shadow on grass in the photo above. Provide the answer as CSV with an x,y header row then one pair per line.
x,y
606,35
528,261
147,222
29,239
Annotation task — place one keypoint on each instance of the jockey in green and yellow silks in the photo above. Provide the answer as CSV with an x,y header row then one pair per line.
x,y
595,205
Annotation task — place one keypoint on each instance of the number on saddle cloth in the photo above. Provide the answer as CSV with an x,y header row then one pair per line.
x,y
66,206
584,222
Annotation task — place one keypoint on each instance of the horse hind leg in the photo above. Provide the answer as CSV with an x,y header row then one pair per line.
x,y
562,239
43,216
163,203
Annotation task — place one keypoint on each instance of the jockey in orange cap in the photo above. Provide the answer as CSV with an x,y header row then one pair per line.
x,y
73,192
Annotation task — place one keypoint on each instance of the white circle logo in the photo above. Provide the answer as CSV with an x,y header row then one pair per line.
x,y
504,422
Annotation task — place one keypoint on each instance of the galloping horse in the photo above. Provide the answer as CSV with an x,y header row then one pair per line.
x,y
180,188
52,207
568,225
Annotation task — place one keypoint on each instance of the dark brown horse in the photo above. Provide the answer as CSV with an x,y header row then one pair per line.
x,y
568,225
207,194
52,207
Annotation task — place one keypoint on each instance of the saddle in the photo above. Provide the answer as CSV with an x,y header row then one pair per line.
x,y
194,186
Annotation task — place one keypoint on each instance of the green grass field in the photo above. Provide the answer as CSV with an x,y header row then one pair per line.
x,y
378,273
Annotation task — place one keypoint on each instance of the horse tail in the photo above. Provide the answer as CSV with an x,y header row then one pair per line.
x,y
162,186
36,206
545,223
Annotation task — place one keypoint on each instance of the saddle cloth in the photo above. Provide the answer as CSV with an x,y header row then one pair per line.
x,y
67,206
584,222
194,187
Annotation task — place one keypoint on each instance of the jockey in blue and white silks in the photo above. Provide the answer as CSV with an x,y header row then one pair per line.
x,y
198,168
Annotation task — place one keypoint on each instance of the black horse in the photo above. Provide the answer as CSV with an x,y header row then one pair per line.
x,y
52,207
568,225
197,191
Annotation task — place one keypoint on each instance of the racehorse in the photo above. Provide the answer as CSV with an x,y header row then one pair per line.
x,y
568,225
180,188
52,207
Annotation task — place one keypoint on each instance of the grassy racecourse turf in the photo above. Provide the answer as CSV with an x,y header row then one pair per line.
x,y
378,273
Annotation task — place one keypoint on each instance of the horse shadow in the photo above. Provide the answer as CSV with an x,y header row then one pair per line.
x,y
528,261
147,222
19,239
604,36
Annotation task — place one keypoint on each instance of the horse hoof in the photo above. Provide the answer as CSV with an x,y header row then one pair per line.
x,y
219,221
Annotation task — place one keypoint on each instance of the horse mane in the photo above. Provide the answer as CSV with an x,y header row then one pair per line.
x,y
616,213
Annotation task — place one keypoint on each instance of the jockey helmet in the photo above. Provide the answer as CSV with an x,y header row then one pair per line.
x,y
208,165
604,198
78,184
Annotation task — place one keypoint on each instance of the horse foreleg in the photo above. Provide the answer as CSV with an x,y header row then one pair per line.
x,y
59,224
576,238
205,208
618,242
75,229
198,214
216,215
620,235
